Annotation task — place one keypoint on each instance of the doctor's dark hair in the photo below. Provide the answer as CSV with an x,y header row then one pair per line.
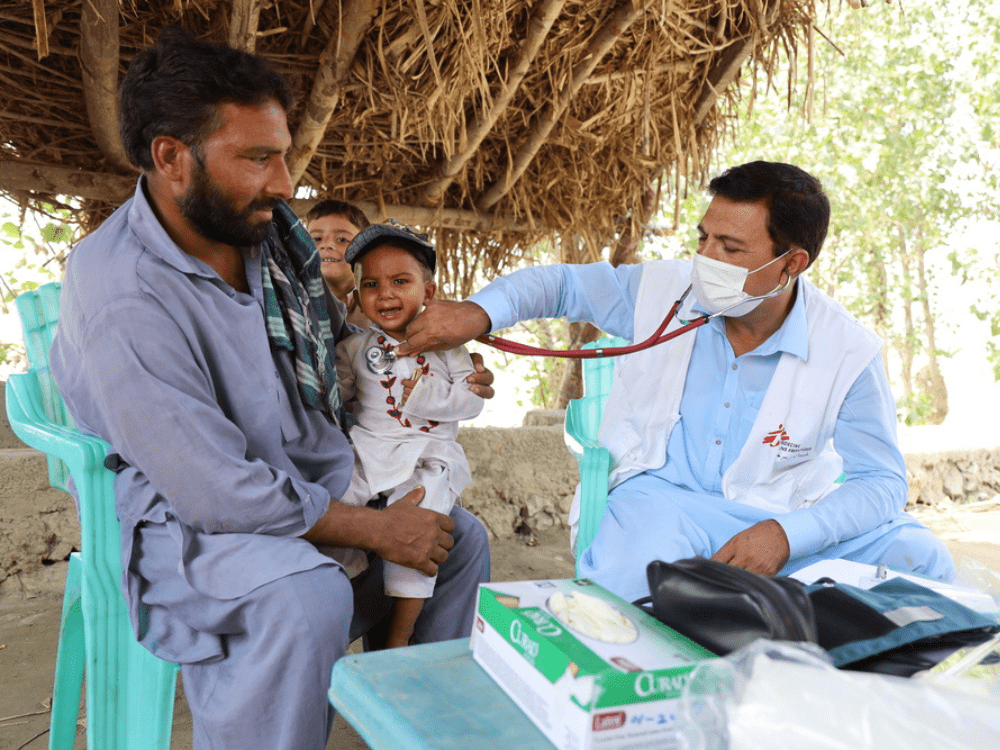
x,y
798,209
174,88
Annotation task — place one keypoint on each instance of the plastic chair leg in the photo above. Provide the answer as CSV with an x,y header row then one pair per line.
x,y
153,712
70,658
130,692
150,708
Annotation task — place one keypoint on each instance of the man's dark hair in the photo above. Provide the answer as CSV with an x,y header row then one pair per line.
x,y
174,88
338,208
798,209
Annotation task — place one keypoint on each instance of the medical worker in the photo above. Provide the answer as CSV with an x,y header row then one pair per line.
x,y
765,438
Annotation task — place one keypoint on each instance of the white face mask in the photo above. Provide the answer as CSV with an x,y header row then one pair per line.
x,y
718,286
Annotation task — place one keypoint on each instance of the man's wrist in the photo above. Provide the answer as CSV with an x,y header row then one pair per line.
x,y
480,317
497,310
348,526
803,532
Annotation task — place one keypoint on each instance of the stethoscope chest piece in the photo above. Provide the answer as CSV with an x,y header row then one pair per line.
x,y
380,360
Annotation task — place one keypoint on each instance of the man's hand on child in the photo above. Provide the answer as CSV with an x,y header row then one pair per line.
x,y
481,380
415,537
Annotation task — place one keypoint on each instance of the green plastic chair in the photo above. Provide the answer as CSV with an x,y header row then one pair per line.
x,y
129,692
583,421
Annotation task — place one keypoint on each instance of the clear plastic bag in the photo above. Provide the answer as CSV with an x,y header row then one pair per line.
x,y
774,695
974,575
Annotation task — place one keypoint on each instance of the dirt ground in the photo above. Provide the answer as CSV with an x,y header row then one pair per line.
x,y
30,609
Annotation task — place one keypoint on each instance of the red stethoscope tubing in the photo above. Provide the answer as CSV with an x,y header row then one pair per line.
x,y
658,337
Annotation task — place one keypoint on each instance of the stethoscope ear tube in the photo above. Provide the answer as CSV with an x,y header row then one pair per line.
x,y
773,293
658,337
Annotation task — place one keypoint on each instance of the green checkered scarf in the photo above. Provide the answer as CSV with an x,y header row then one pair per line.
x,y
295,307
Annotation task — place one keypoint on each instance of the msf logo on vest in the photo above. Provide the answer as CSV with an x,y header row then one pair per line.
x,y
776,438
787,450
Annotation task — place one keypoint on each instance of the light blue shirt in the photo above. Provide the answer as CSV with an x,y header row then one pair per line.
x,y
173,367
723,394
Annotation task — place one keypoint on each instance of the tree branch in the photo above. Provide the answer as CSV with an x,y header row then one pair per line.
x,y
243,24
41,29
99,68
723,73
452,218
728,66
44,180
334,65
538,28
307,26
621,18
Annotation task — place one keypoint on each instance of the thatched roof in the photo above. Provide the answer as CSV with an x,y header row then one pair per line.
x,y
495,122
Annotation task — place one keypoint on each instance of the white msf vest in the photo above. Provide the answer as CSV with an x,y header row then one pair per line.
x,y
788,460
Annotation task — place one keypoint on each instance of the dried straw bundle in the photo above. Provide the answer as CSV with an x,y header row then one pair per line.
x,y
553,118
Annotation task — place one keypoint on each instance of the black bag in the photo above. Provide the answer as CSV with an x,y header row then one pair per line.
x,y
722,607
897,627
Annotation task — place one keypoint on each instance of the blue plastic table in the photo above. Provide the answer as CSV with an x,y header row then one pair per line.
x,y
431,697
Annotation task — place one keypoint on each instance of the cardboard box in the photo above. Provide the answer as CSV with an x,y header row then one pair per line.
x,y
589,669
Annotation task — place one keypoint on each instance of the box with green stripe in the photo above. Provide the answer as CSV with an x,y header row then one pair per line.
x,y
590,669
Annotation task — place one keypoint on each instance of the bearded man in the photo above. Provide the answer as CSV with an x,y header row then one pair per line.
x,y
197,337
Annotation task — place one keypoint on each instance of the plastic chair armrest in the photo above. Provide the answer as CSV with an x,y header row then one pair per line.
x,y
30,423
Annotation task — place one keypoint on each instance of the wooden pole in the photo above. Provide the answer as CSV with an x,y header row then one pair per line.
x,y
99,68
450,218
728,66
46,180
620,19
334,65
41,29
538,29
723,73
307,26
243,24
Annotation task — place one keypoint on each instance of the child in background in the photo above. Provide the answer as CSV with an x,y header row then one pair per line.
x,y
408,408
332,225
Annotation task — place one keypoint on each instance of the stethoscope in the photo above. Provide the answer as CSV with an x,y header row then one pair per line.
x,y
658,337
380,360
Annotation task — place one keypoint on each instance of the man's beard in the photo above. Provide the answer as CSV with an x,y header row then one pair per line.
x,y
213,216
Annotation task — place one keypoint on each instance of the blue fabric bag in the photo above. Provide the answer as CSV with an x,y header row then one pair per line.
x,y
897,627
